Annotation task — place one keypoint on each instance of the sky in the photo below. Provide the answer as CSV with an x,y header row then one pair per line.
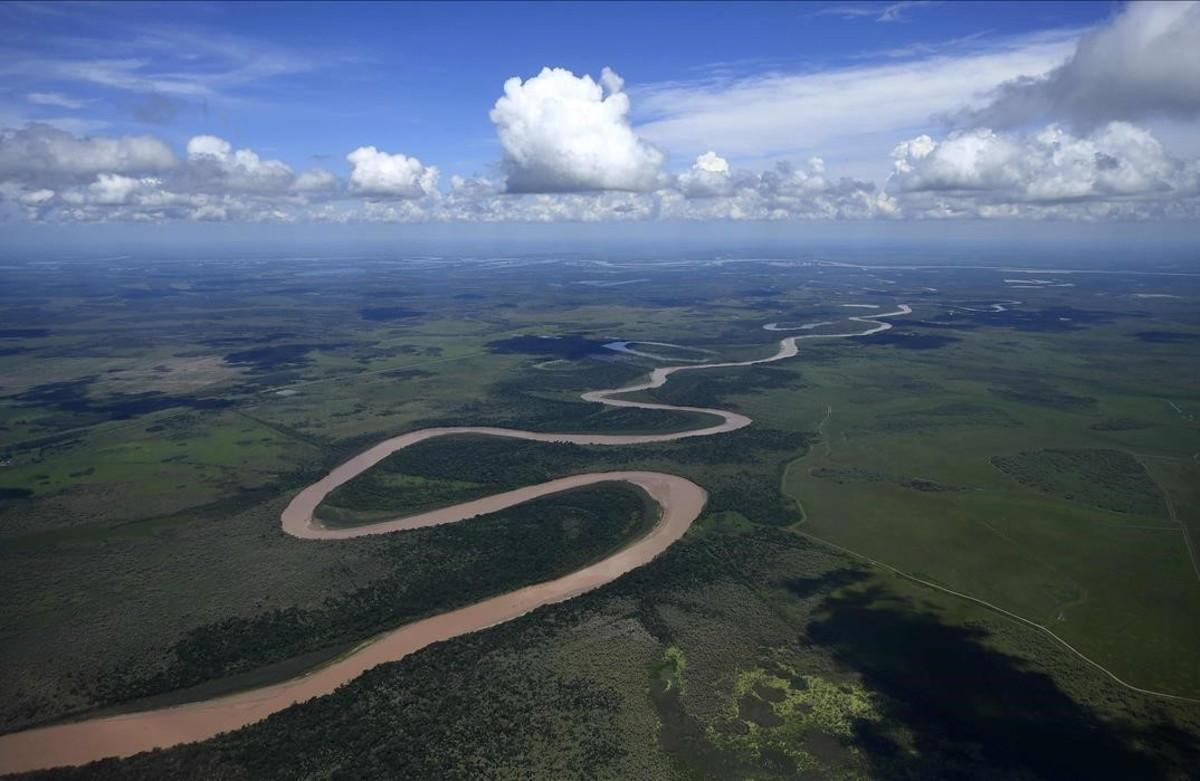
x,y
118,116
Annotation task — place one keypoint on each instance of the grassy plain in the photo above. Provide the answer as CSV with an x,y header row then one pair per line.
x,y
156,416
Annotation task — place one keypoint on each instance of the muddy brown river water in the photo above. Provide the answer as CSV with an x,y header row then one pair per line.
x,y
681,502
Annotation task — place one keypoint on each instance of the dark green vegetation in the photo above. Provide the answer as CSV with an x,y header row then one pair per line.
x,y
155,417
430,474
1109,479
570,346
907,340
1167,337
436,570
737,654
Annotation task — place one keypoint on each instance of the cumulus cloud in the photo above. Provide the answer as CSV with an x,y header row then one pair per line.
x,y
45,154
35,197
315,180
1145,63
213,164
784,192
56,176
382,175
475,186
566,133
1116,171
112,190
713,189
978,170
811,192
709,176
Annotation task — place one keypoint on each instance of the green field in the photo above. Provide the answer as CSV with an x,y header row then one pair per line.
x,y
849,605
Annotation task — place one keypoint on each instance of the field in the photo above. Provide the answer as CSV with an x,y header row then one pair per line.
x,y
949,549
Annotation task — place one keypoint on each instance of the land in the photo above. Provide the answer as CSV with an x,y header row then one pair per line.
x,y
910,514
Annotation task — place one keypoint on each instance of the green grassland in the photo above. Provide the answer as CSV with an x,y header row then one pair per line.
x,y
739,653
1043,461
1049,518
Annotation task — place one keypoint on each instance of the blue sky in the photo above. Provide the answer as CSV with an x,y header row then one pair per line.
x,y
846,110
422,77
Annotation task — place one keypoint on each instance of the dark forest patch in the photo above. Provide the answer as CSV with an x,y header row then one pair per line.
x,y
543,538
672,302
755,498
405,374
939,326
1167,337
388,313
906,340
951,415
24,333
1043,394
1119,424
1050,320
142,294
72,396
752,708
1109,479
56,394
854,474
284,355
235,341
710,389
571,347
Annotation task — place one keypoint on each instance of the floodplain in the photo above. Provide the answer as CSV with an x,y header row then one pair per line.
x,y
949,548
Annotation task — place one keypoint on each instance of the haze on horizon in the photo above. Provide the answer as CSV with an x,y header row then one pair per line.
x,y
202,120
658,390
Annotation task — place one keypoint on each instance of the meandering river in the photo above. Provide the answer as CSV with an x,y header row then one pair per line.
x,y
681,502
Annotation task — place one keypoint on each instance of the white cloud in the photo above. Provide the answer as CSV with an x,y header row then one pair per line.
x,y
851,114
56,99
981,171
209,147
1118,171
315,180
213,164
184,62
210,212
711,163
709,176
379,174
46,154
36,197
782,193
890,13
563,133
56,176
475,186
112,189
1145,63
897,11
809,192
